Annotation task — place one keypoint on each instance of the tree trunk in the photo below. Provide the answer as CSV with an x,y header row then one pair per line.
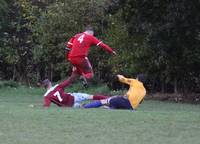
x,y
162,87
14,72
51,72
175,86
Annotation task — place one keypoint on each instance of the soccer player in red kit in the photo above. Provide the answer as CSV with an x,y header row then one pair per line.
x,y
55,94
78,47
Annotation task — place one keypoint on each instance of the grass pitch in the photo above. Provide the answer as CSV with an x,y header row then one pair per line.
x,y
153,123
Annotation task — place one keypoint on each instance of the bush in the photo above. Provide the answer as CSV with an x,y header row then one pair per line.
x,y
10,83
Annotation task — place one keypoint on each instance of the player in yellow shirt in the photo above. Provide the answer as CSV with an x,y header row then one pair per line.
x,y
130,100
136,91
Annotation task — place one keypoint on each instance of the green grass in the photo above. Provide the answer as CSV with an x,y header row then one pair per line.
x,y
154,122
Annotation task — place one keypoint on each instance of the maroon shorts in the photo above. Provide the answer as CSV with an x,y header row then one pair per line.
x,y
82,66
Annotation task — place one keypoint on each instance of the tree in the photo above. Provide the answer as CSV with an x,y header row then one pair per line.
x,y
17,44
171,38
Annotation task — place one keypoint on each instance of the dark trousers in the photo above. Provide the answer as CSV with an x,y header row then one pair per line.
x,y
120,102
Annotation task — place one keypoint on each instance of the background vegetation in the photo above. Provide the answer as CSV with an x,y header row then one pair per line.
x,y
158,38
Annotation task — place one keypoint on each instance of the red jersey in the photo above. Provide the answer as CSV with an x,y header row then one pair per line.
x,y
81,43
57,96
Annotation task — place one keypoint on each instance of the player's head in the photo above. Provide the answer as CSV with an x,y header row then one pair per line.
x,y
46,83
141,78
89,30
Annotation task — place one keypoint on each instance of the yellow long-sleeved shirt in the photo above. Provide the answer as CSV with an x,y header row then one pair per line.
x,y
136,91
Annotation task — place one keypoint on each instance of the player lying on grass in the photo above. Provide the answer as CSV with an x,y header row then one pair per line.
x,y
55,94
78,48
130,100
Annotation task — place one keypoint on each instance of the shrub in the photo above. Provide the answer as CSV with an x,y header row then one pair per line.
x,y
10,83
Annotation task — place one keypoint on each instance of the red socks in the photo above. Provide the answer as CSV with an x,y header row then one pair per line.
x,y
99,97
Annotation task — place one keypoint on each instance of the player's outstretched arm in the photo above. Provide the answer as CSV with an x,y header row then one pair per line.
x,y
99,43
123,79
46,102
106,47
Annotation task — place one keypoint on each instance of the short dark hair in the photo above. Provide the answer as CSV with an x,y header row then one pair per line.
x,y
141,78
46,82
89,28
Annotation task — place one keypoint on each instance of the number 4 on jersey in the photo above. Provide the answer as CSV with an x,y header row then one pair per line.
x,y
80,39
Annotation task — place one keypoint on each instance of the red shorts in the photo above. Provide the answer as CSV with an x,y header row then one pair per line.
x,y
82,66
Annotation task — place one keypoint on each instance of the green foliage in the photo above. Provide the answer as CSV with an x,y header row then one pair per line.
x,y
17,42
3,8
171,33
93,89
158,38
12,84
